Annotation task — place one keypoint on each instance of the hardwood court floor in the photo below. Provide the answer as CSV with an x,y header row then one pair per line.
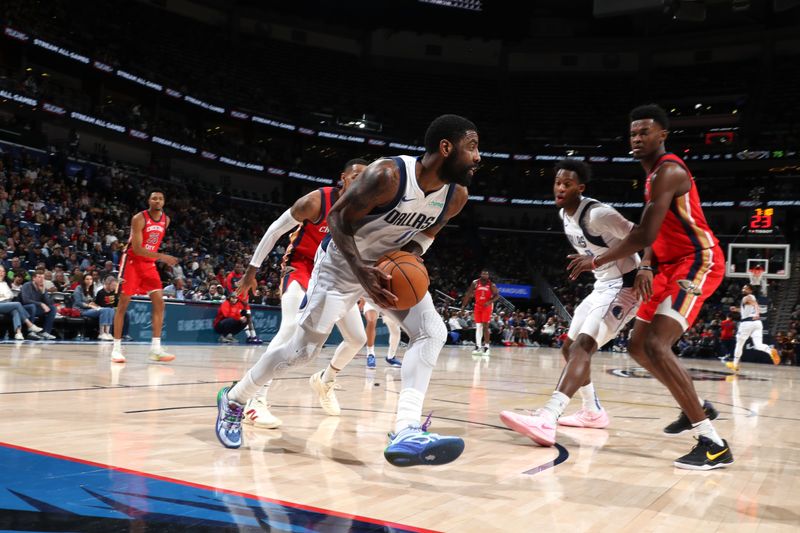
x,y
68,399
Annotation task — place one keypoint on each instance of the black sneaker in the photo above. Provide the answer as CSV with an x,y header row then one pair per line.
x,y
706,456
683,423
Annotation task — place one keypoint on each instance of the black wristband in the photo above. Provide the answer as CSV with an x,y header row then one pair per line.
x,y
646,267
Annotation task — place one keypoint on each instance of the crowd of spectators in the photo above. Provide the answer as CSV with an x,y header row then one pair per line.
x,y
166,48
64,223
67,222
69,225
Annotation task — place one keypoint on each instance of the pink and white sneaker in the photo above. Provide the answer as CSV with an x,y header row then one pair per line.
x,y
586,419
535,427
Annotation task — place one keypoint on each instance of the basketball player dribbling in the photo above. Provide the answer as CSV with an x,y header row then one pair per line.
x,y
308,216
679,243
138,274
591,228
485,292
750,326
397,203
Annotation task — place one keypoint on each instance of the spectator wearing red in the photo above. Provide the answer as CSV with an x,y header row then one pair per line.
x,y
232,317
727,336
232,279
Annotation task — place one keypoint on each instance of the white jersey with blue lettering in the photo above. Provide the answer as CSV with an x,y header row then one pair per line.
x,y
333,288
411,211
593,229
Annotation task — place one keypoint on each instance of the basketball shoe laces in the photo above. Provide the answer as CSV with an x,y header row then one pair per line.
x,y
233,418
424,427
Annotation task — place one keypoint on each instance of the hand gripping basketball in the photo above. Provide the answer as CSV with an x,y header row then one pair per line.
x,y
408,278
374,281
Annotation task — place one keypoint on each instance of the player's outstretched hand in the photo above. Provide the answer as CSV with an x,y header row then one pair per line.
x,y
247,285
168,259
372,279
643,285
579,263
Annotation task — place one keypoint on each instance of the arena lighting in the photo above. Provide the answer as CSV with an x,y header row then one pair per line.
x,y
468,5
15,34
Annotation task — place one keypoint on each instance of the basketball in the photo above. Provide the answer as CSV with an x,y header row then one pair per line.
x,y
410,279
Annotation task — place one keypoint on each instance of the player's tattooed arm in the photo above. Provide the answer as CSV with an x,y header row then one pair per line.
x,y
376,187
669,181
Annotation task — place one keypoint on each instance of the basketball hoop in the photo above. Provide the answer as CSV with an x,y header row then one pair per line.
x,y
757,279
755,274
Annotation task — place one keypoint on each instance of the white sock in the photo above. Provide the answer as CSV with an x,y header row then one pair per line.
x,y
706,429
117,345
589,398
554,407
330,374
264,391
702,403
155,344
251,333
409,409
479,335
244,389
371,350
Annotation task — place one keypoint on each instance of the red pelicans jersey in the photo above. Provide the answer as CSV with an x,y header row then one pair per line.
x,y
304,241
684,231
483,292
152,235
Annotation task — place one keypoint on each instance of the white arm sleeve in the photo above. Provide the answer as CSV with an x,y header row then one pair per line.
x,y
605,219
282,224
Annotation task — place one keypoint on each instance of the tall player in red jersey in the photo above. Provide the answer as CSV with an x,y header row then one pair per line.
x,y
138,274
679,245
308,217
485,292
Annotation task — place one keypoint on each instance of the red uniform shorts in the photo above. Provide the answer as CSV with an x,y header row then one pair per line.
x,y
138,276
482,313
704,270
300,271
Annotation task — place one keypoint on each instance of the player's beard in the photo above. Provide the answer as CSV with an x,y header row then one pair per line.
x,y
453,172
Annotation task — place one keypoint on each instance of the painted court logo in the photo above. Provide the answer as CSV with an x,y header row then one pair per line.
x,y
698,374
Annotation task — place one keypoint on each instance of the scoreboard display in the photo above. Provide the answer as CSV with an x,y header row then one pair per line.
x,y
762,221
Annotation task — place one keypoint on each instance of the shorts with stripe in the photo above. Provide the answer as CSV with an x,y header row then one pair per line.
x,y
604,312
138,276
704,270
299,270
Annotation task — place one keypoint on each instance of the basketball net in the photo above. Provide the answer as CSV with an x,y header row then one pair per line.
x,y
756,275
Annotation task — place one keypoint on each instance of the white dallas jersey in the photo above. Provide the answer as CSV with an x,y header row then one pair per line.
x,y
748,311
411,211
593,229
